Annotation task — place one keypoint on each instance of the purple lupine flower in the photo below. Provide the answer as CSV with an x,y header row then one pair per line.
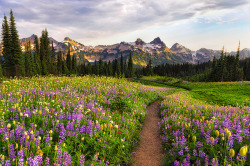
x,y
11,151
20,162
59,157
37,142
47,161
46,121
186,149
188,157
47,139
176,163
20,157
201,153
7,163
67,159
62,134
194,152
40,160
214,162
180,153
107,163
82,160
35,161
82,129
206,161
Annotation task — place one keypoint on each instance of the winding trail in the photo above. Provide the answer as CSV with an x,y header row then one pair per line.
x,y
150,152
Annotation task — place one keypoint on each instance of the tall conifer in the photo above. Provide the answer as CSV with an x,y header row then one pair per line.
x,y
29,70
59,63
130,66
69,61
8,64
16,52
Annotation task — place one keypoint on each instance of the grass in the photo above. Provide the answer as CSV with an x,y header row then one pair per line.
x,y
214,93
233,93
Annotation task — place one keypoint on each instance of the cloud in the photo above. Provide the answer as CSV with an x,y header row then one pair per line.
x,y
95,19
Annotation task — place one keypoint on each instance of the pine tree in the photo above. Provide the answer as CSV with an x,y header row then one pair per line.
x,y
16,52
45,52
65,70
100,66
74,65
122,66
149,68
116,68
89,69
109,69
130,66
95,69
214,70
8,64
236,65
220,67
59,63
28,60
37,59
53,59
69,61
105,69
125,68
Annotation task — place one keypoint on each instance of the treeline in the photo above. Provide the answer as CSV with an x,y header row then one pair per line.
x,y
117,68
226,68
43,60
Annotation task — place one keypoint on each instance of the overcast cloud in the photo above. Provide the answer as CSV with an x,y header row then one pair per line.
x,y
108,21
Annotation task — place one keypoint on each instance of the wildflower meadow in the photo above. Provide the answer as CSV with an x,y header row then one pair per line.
x,y
195,133
71,120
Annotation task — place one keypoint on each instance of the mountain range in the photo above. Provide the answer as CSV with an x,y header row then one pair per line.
x,y
142,52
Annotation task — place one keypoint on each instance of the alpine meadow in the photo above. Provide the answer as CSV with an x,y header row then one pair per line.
x,y
132,103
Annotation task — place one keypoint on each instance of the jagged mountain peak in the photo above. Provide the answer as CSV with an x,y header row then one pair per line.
x,y
139,41
67,39
179,48
176,45
157,41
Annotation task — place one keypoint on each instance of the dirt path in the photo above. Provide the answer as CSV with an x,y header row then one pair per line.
x,y
150,152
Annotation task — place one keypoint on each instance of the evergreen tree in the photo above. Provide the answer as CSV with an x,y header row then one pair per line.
x,y
15,48
29,64
53,59
122,66
125,68
95,69
149,68
68,61
45,52
74,65
213,76
105,69
8,64
89,69
65,70
110,73
116,68
59,63
236,65
37,60
100,66
130,66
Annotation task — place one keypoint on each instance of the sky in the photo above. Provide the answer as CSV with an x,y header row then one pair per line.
x,y
195,24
